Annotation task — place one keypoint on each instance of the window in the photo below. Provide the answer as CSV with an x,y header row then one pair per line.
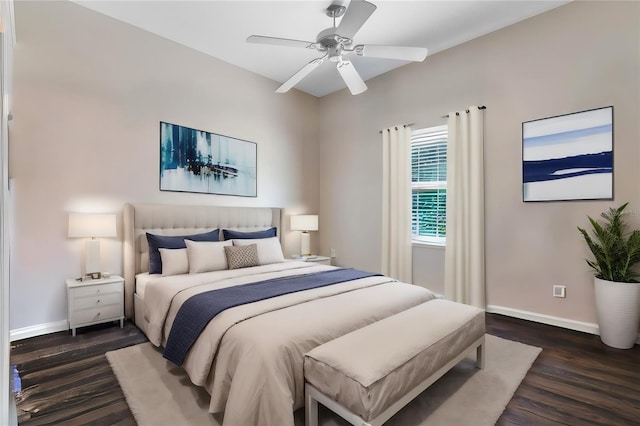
x,y
429,185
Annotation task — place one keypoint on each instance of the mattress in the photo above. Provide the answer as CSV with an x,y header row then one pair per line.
x,y
142,280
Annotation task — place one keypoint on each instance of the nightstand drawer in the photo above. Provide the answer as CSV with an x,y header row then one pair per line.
x,y
103,313
96,290
96,301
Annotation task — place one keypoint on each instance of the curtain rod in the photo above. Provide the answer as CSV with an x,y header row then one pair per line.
x,y
457,113
444,116
404,125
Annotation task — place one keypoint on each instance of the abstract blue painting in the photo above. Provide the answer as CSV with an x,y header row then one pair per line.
x,y
198,161
568,157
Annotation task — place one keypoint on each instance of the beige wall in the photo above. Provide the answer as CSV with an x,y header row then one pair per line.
x,y
580,56
89,95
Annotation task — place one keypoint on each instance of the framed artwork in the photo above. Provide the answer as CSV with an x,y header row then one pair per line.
x,y
198,161
568,157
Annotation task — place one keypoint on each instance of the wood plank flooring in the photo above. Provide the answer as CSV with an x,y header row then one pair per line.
x,y
67,380
576,380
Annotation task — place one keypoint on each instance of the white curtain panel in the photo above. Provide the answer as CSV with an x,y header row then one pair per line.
x,y
464,254
396,203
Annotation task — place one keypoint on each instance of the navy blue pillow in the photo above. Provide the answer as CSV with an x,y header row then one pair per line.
x,y
229,234
173,242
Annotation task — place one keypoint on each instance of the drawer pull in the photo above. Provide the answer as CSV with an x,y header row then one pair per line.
x,y
98,315
98,291
97,301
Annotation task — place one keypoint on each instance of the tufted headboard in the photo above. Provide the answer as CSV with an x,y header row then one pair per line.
x,y
166,219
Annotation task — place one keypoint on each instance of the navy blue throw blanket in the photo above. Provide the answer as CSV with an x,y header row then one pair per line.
x,y
196,312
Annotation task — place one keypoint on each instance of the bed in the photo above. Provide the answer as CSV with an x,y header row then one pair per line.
x,y
250,357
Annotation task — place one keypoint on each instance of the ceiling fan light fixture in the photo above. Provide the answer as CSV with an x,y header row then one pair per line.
x,y
335,54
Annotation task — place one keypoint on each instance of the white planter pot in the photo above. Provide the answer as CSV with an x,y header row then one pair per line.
x,y
618,307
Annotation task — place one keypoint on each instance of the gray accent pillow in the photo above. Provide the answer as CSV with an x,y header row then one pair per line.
x,y
242,256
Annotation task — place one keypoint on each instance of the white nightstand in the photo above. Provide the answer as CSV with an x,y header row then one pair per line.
x,y
95,301
324,260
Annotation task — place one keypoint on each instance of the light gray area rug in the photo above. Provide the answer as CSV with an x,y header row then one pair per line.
x,y
159,393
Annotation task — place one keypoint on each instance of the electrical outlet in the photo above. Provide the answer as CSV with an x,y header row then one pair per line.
x,y
333,252
559,291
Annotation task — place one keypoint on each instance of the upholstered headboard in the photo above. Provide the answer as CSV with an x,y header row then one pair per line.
x,y
166,219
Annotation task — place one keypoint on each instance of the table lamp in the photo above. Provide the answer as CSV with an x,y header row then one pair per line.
x,y
305,223
92,226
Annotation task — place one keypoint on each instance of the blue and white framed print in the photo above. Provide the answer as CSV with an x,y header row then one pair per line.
x,y
198,161
568,157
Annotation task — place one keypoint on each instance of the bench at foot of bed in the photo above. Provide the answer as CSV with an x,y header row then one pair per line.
x,y
368,375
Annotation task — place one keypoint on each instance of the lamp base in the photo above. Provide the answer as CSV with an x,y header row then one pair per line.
x,y
92,257
305,244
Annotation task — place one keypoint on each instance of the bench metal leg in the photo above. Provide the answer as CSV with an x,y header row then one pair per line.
x,y
310,408
313,396
480,356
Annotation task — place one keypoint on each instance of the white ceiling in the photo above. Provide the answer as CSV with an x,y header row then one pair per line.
x,y
220,28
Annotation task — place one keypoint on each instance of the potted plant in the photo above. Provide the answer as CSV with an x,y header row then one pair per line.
x,y
616,251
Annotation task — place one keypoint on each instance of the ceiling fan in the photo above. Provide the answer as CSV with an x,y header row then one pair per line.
x,y
337,42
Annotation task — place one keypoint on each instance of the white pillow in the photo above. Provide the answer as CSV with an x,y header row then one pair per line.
x,y
174,261
269,249
206,256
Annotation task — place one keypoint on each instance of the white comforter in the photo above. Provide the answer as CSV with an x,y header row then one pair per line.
x,y
250,357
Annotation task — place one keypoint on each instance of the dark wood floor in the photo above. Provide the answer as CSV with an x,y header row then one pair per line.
x,y
576,380
67,380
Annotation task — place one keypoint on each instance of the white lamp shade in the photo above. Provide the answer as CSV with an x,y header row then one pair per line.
x,y
85,225
304,222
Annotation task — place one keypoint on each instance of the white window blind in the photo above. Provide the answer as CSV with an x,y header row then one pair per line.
x,y
429,184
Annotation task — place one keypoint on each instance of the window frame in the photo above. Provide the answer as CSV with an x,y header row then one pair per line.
x,y
435,133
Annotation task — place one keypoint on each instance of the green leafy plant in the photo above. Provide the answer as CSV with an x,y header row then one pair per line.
x,y
615,251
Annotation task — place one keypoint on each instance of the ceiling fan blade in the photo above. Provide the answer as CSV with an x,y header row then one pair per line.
x,y
354,18
402,53
302,73
351,77
275,41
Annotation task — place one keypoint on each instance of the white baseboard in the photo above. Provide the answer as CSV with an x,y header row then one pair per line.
x,y
585,327
38,330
